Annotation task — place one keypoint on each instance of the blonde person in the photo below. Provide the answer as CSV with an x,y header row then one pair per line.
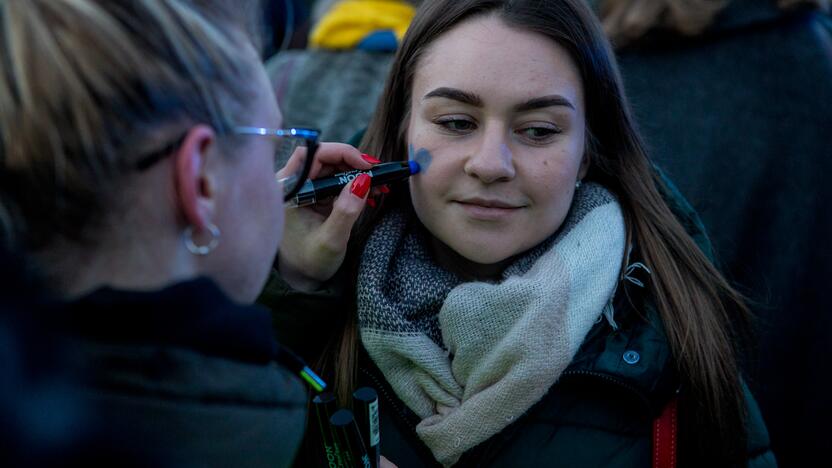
x,y
534,296
140,140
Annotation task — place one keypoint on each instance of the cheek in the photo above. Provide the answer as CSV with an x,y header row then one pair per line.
x,y
262,198
272,196
423,189
422,156
438,171
551,185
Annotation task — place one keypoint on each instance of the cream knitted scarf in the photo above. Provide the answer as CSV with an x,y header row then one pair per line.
x,y
469,358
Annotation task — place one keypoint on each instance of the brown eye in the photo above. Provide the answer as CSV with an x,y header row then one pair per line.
x,y
456,125
538,134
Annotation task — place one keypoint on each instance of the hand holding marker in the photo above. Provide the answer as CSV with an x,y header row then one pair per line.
x,y
316,190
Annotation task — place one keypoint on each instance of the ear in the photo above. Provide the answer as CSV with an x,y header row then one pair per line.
x,y
194,188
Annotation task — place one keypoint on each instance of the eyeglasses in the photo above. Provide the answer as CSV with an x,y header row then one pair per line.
x,y
293,156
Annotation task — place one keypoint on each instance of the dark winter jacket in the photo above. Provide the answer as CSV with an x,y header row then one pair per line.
x,y
186,375
599,413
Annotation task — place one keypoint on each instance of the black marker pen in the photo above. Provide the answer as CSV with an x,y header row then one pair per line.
x,y
324,408
296,364
313,191
365,403
349,439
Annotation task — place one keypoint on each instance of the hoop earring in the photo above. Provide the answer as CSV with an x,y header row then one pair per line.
x,y
202,250
578,184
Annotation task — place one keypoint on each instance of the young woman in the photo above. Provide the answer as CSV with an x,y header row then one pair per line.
x,y
532,297
137,158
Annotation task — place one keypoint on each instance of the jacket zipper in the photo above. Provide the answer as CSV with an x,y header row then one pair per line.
x,y
488,452
610,379
484,453
390,400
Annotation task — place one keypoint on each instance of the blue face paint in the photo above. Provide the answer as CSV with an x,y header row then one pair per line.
x,y
422,157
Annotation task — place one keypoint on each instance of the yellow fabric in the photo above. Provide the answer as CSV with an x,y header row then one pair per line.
x,y
350,21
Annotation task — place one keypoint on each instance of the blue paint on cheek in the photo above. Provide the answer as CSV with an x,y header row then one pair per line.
x,y
422,156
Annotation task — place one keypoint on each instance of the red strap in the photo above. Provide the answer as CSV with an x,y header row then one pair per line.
x,y
664,436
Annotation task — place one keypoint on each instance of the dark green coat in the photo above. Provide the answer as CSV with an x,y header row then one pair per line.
x,y
185,376
598,414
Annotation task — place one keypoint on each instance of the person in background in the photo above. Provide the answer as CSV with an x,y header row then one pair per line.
x,y
732,99
537,294
139,141
335,82
285,25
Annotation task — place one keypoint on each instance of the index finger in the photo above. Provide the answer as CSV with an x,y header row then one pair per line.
x,y
332,157
294,163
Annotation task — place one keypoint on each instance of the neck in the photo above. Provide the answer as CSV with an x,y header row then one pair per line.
x,y
76,270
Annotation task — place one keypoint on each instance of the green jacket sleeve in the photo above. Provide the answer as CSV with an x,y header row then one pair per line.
x,y
305,322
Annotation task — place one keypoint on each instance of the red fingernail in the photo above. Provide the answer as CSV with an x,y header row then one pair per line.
x,y
371,202
360,186
370,159
384,189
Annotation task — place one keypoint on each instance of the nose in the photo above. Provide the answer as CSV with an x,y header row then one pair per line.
x,y
492,161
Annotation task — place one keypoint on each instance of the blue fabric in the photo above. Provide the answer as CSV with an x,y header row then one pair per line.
x,y
379,41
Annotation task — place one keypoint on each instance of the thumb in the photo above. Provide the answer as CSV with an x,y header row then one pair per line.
x,y
335,230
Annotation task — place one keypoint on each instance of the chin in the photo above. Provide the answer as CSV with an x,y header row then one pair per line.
x,y
484,253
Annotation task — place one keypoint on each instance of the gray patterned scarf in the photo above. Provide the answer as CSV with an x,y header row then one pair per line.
x,y
470,357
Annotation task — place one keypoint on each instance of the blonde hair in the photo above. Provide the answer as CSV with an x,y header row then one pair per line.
x,y
628,20
89,86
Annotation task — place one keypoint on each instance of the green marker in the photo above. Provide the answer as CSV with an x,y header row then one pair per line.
x,y
296,365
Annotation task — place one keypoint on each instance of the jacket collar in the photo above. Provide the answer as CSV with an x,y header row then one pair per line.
x,y
193,314
636,355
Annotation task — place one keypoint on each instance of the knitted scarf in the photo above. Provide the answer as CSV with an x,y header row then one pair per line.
x,y
471,357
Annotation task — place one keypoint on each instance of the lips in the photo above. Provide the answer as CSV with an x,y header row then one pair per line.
x,y
489,203
483,209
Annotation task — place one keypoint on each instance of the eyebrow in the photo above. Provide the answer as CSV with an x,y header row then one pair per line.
x,y
472,99
554,100
456,95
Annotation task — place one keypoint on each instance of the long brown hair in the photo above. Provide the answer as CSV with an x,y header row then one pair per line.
x,y
703,316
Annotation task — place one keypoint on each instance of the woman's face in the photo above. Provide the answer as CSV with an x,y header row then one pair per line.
x,y
250,205
501,113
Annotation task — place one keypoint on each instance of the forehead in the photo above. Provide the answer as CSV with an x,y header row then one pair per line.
x,y
486,56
